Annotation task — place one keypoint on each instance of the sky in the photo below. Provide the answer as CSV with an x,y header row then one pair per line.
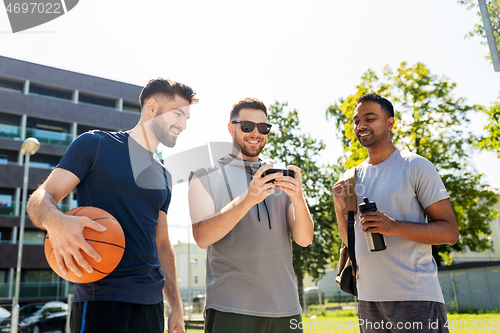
x,y
307,53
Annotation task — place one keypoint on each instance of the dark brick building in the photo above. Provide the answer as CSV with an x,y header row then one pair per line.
x,y
54,106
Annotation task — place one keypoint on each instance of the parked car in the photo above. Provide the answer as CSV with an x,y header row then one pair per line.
x,y
198,303
4,313
311,295
39,317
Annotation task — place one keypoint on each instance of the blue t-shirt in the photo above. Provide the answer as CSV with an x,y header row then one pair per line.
x,y
118,175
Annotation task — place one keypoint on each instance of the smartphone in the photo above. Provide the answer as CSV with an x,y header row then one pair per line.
x,y
285,172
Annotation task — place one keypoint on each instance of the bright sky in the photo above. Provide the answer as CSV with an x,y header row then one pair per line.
x,y
309,53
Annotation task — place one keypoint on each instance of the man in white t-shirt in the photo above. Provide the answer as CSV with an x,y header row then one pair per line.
x,y
398,288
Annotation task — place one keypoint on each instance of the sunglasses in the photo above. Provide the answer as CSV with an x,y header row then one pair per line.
x,y
248,126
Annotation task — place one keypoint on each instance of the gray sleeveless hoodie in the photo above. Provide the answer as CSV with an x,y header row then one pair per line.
x,y
249,271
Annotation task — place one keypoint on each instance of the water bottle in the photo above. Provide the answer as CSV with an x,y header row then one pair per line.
x,y
374,241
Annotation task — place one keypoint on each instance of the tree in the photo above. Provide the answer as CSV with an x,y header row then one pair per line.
x,y
492,140
289,146
429,122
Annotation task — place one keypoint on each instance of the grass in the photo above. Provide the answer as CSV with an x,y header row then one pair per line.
x,y
346,321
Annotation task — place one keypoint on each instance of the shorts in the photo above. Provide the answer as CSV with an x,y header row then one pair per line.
x,y
402,316
226,322
116,317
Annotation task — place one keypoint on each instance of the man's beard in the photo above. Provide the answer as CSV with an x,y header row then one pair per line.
x,y
164,137
249,152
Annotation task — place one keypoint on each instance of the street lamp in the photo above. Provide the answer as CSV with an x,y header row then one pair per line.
x,y
29,147
190,305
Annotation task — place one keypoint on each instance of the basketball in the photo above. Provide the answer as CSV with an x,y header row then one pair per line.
x,y
110,244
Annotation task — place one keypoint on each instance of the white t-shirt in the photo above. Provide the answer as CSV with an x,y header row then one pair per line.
x,y
402,186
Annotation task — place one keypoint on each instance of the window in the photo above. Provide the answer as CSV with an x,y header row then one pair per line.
x,y
53,309
3,275
10,119
74,203
13,85
8,156
37,89
34,237
49,132
7,201
95,100
29,309
64,204
5,236
83,128
10,126
196,280
42,161
195,263
39,275
131,106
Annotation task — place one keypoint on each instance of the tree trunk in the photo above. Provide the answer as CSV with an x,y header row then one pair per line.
x,y
300,288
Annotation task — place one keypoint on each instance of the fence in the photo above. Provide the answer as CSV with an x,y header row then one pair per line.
x,y
41,290
471,286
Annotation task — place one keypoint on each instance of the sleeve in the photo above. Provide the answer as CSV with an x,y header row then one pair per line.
x,y
168,183
81,154
203,176
427,183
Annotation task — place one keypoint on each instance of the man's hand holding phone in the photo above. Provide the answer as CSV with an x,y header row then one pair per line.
x,y
262,185
290,182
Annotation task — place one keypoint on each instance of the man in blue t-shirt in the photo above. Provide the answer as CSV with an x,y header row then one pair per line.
x,y
120,173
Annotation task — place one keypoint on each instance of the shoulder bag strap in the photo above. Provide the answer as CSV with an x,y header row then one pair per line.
x,y
351,209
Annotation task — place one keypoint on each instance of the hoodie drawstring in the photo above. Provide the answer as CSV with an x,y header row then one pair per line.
x,y
264,201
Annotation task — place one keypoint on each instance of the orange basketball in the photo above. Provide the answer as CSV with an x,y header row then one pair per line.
x,y
110,245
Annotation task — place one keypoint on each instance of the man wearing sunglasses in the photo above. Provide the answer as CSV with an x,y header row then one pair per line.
x,y
245,221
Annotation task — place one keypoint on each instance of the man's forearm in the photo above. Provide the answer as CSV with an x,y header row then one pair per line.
x,y
432,233
42,208
171,289
303,228
342,225
213,229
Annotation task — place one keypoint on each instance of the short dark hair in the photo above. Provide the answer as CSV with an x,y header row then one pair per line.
x,y
247,103
384,103
166,88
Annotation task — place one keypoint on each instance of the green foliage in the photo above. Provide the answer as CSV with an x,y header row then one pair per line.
x,y
494,14
478,27
492,139
290,146
430,122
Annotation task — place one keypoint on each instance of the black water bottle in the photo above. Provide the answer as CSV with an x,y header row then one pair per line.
x,y
374,241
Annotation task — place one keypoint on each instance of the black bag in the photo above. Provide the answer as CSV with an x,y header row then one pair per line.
x,y
346,276
348,281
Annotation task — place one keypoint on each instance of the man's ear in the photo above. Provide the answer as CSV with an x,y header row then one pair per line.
x,y
151,107
390,123
230,128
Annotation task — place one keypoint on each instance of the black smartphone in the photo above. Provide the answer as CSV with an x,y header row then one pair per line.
x,y
285,172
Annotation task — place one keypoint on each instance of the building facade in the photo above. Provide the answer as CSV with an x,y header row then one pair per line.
x,y
190,263
54,106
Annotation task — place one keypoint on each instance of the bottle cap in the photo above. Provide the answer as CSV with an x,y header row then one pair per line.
x,y
367,205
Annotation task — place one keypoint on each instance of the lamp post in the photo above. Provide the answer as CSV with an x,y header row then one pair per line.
x,y
190,298
29,147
